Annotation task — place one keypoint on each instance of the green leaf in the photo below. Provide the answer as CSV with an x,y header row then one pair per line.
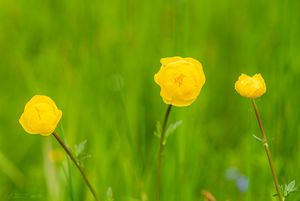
x,y
157,133
289,188
171,129
79,149
109,195
257,138
79,152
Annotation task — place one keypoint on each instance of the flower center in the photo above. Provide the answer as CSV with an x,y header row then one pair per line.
x,y
179,79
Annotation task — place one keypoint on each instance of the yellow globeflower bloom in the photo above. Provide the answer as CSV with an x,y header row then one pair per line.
x,y
40,116
180,80
250,87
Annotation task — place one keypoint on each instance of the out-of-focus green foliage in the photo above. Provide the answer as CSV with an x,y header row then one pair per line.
x,y
97,59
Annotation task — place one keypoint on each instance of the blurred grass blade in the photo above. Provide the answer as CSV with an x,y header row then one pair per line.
x,y
11,171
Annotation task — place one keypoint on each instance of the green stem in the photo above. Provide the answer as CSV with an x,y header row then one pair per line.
x,y
68,151
266,146
69,172
160,153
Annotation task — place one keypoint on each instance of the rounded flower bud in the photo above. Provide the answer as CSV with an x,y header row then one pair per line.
x,y
40,116
250,87
180,80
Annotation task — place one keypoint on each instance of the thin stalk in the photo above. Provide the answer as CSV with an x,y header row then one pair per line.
x,y
161,149
68,151
266,146
69,171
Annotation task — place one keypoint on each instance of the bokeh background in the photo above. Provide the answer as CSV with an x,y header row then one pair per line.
x,y
97,59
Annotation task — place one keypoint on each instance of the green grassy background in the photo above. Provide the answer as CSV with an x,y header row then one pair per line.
x,y
97,59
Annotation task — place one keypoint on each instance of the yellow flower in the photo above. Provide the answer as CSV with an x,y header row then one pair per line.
x,y
180,80
40,116
250,87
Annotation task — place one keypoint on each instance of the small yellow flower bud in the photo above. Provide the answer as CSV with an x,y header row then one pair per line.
x,y
250,87
55,156
40,116
180,80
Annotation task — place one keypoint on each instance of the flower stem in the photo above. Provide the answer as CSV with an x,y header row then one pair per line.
x,y
68,151
266,146
161,149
